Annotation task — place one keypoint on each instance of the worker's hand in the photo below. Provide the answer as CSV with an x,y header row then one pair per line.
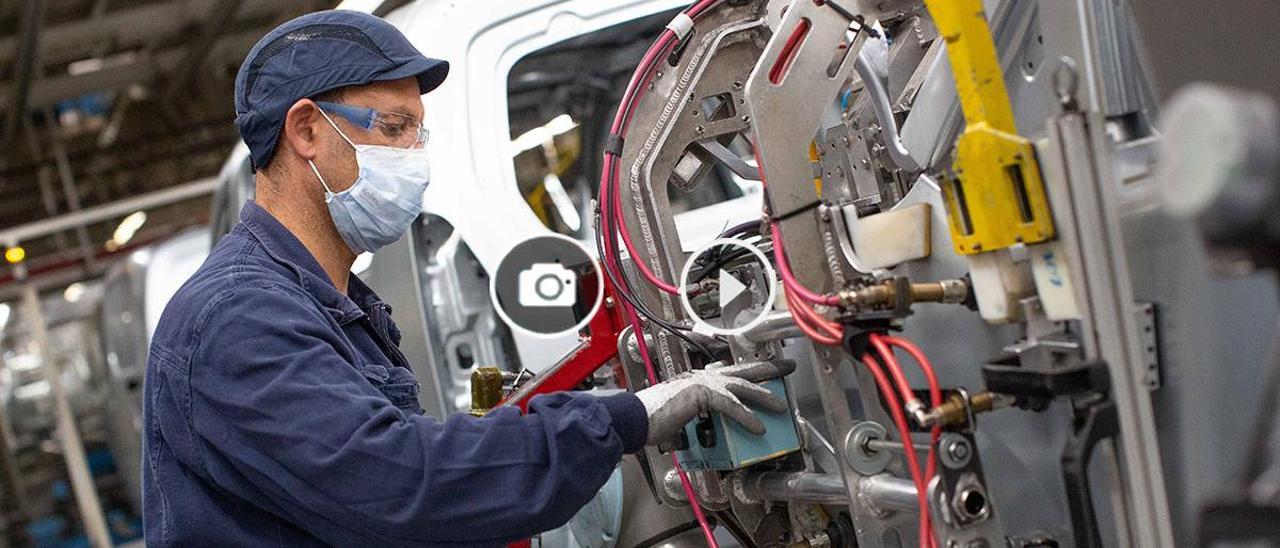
x,y
674,403
756,371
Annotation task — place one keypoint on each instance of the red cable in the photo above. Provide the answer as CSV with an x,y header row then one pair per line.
x,y
813,318
797,314
895,370
788,278
621,120
913,464
935,391
882,345
780,254
653,381
621,223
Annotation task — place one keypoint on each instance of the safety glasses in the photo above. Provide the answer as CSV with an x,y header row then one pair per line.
x,y
398,130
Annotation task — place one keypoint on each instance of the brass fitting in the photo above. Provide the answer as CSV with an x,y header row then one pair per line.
x,y
955,412
945,291
486,390
886,294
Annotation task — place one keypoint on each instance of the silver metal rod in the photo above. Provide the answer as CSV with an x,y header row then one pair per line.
x,y
774,327
806,486
885,492
95,522
884,112
109,211
896,446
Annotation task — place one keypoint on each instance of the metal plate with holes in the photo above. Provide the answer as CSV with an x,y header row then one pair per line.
x,y
1144,315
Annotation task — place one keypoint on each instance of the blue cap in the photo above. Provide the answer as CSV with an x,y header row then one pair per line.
x,y
314,54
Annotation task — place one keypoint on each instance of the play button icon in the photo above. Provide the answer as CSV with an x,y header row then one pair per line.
x,y
730,289
727,287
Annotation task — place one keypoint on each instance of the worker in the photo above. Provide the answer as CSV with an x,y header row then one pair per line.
x,y
279,409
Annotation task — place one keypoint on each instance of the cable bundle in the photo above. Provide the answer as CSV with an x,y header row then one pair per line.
x,y
612,225
800,300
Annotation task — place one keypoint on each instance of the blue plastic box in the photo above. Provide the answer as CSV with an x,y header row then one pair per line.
x,y
718,443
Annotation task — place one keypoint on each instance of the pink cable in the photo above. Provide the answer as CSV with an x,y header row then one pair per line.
x,y
697,508
780,254
620,123
621,223
812,317
895,370
935,390
935,394
684,478
788,278
913,463
797,313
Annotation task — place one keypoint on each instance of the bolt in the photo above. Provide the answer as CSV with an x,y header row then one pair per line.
x,y
958,449
866,164
737,86
700,130
746,118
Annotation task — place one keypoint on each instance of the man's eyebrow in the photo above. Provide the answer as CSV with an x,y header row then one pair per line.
x,y
400,109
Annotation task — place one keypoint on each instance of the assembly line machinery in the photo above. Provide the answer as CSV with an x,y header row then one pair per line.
x,y
964,338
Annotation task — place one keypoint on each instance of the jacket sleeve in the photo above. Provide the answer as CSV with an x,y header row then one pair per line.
x,y
284,421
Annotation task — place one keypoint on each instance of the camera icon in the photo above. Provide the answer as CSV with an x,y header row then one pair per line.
x,y
547,285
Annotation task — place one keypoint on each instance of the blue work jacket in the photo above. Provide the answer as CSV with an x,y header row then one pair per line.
x,y
280,412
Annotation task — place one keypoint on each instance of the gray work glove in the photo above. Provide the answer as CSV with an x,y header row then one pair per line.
x,y
672,404
756,371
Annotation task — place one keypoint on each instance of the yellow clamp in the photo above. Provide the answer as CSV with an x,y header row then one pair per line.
x,y
997,198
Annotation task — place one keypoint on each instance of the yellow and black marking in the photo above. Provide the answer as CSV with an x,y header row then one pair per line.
x,y
996,197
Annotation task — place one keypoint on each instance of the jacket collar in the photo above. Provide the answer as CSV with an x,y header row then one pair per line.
x,y
286,249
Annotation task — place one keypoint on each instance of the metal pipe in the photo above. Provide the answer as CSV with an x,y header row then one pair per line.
x,y
25,67
883,108
885,493
882,492
805,486
121,208
774,327
893,445
82,486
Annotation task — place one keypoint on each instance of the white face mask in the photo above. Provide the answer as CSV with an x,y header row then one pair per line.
x,y
384,200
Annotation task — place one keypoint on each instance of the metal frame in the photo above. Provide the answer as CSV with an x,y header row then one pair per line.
x,y
1110,330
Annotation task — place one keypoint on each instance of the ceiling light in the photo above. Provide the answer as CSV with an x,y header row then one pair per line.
x,y
15,254
128,227
73,292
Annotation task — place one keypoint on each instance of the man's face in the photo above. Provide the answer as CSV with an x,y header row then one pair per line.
x,y
336,159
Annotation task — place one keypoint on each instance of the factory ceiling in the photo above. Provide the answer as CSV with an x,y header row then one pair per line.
x,y
103,100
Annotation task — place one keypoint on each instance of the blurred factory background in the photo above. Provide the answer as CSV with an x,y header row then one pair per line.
x,y
119,165
115,118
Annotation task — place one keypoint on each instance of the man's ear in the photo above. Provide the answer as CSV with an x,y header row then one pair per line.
x,y
301,129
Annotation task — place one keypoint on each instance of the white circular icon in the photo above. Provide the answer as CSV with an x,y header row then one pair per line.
x,y
547,286
731,288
